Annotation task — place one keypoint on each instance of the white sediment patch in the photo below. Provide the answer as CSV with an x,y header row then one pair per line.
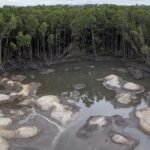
x,y
24,89
23,132
1,113
120,139
111,77
4,80
48,71
47,102
27,132
133,87
5,121
121,70
91,66
7,134
100,121
17,89
125,98
60,112
112,81
25,102
79,86
3,144
11,83
125,91
18,78
144,119
4,98
16,112
77,68
28,89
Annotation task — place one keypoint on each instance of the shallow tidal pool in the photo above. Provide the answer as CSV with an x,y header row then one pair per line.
x,y
93,100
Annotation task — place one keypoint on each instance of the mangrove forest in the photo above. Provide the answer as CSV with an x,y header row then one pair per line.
x,y
46,33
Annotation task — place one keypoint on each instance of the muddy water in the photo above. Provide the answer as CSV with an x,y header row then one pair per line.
x,y
95,100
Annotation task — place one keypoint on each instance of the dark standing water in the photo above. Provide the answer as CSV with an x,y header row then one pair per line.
x,y
98,101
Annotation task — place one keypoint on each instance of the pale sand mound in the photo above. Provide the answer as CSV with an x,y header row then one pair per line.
x,y
125,98
120,139
133,87
144,119
23,132
5,121
3,144
4,98
46,102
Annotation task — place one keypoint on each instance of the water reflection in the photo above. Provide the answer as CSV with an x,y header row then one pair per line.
x,y
94,100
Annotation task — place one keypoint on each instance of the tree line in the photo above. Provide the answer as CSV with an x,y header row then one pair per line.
x,y
51,32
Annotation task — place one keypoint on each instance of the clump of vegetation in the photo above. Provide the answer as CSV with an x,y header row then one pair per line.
x,y
47,32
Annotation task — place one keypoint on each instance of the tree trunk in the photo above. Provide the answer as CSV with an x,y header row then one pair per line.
x,y
59,47
5,50
44,51
51,52
93,43
103,42
1,38
116,42
19,55
0,50
38,48
123,40
31,54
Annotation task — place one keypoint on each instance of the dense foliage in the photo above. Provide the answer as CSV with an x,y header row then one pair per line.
x,y
48,32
